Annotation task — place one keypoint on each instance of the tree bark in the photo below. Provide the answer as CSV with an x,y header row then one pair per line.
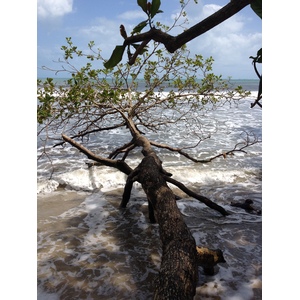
x,y
173,43
178,274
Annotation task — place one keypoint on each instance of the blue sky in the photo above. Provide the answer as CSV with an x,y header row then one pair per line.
x,y
230,43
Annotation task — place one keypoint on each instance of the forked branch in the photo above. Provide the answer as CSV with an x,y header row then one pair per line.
x,y
118,164
239,147
173,43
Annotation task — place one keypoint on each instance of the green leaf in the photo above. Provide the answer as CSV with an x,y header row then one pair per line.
x,y
115,58
145,49
256,5
155,7
139,27
143,5
258,58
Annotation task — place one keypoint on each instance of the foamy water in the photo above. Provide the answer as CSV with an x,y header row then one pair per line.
x,y
91,249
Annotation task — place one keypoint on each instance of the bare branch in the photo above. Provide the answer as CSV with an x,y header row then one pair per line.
x,y
118,164
202,199
82,134
249,140
124,149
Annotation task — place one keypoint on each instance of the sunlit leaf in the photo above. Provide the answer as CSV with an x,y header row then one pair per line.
x,y
155,7
115,58
139,27
143,5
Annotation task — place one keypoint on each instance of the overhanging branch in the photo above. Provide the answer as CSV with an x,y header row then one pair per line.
x,y
173,43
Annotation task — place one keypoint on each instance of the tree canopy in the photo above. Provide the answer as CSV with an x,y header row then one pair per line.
x,y
159,33
96,100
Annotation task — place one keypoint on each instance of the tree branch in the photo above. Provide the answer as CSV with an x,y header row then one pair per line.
x,y
82,134
202,199
124,149
173,43
239,147
118,164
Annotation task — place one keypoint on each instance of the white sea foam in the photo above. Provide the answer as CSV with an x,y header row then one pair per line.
x,y
47,186
105,252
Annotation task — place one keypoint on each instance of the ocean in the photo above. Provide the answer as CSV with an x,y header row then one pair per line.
x,y
87,248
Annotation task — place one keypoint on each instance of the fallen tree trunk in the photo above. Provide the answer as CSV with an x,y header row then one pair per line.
x,y
178,273
181,257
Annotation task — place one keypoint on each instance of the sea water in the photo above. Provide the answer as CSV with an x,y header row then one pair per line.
x,y
88,248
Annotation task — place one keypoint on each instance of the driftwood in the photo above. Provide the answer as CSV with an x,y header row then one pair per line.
x,y
208,258
247,206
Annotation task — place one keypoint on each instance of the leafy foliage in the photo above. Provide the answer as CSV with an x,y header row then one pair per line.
x,y
151,9
96,99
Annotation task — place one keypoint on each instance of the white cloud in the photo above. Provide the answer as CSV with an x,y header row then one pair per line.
x,y
53,8
105,32
101,27
209,9
228,43
133,14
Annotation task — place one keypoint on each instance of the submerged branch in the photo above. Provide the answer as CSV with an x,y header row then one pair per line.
x,y
202,199
208,258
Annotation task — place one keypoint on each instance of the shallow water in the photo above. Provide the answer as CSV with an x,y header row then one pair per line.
x,y
90,249
94,250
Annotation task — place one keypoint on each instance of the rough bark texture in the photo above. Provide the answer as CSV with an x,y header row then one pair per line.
x,y
208,258
178,272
